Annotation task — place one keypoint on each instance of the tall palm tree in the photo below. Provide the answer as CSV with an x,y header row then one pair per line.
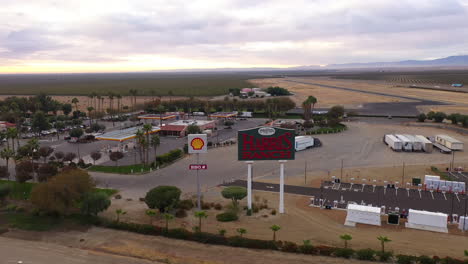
x,y
98,97
90,109
119,100
155,141
133,93
7,154
346,238
383,240
160,110
12,133
140,138
111,107
308,106
75,101
147,128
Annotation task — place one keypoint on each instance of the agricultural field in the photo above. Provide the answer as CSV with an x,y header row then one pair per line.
x,y
421,77
180,84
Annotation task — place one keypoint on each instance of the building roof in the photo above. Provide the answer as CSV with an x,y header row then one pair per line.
x,y
177,128
157,116
364,208
189,122
124,134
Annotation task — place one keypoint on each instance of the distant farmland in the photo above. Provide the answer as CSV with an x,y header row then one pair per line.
x,y
426,77
182,84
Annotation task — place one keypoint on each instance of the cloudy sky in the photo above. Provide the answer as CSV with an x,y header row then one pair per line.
x,y
140,35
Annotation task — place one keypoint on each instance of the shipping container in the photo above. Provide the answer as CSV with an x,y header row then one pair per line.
x,y
393,142
426,143
406,143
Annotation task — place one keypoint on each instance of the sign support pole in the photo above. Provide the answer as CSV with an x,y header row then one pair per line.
x,y
198,185
249,184
281,199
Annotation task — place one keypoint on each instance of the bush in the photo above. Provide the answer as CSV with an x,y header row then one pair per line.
x,y
5,190
365,254
439,117
218,206
422,117
185,204
405,259
169,157
208,238
238,241
385,256
449,260
163,197
181,213
324,250
133,227
178,233
227,217
426,260
289,247
343,252
94,203
235,193
273,212
205,206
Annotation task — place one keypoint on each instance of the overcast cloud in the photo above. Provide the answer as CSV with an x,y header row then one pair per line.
x,y
118,35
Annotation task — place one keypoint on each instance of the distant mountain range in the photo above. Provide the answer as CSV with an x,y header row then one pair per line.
x,y
451,61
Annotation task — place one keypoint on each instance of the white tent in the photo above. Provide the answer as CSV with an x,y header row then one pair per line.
x,y
463,223
425,220
362,214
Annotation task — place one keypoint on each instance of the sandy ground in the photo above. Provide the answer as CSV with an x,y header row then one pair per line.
x,y
328,97
98,241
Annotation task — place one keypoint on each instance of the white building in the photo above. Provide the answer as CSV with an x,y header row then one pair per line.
x,y
362,214
429,221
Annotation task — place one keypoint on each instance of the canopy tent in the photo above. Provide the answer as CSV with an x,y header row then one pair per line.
x,y
425,220
362,214
124,134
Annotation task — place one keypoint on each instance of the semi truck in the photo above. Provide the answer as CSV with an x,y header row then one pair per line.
x,y
406,143
303,142
449,142
393,142
427,145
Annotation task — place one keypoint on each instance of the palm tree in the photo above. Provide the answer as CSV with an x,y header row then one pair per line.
x,y
383,240
140,138
7,154
155,141
160,110
90,109
98,97
308,106
346,238
147,128
151,213
200,215
75,101
275,228
119,212
222,232
119,100
241,231
111,107
133,92
168,217
12,133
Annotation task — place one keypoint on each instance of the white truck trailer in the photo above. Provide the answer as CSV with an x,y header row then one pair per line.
x,y
303,142
449,142
393,142
406,143
417,144
426,143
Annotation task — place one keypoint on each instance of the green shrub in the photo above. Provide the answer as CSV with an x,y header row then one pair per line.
x,y
273,212
185,204
306,248
133,227
11,208
365,254
169,157
238,241
227,217
218,206
324,250
405,259
209,238
385,256
5,190
343,252
289,247
163,197
94,203
249,212
179,233
423,259
449,260
235,193
181,213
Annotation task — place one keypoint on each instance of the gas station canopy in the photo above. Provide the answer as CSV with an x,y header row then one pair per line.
x,y
124,134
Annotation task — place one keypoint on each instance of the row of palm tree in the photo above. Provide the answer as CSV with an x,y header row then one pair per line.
x,y
382,239
11,134
145,140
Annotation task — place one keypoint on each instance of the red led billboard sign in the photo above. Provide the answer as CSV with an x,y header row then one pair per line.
x,y
266,143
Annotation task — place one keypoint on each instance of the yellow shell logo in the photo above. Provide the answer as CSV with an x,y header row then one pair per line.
x,y
197,143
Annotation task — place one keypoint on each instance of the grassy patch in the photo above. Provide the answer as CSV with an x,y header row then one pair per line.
x,y
31,222
22,191
129,169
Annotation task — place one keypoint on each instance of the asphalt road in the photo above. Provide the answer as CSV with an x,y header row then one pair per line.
x,y
32,252
390,198
394,109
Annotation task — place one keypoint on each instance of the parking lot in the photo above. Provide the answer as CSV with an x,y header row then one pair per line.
x,y
390,199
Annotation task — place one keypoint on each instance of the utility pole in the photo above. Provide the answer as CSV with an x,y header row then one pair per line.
x,y
305,172
403,175
341,177
452,163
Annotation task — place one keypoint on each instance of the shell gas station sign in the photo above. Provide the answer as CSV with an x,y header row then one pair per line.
x,y
197,143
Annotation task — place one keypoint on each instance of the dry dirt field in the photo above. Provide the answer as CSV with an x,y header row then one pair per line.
x,y
328,97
